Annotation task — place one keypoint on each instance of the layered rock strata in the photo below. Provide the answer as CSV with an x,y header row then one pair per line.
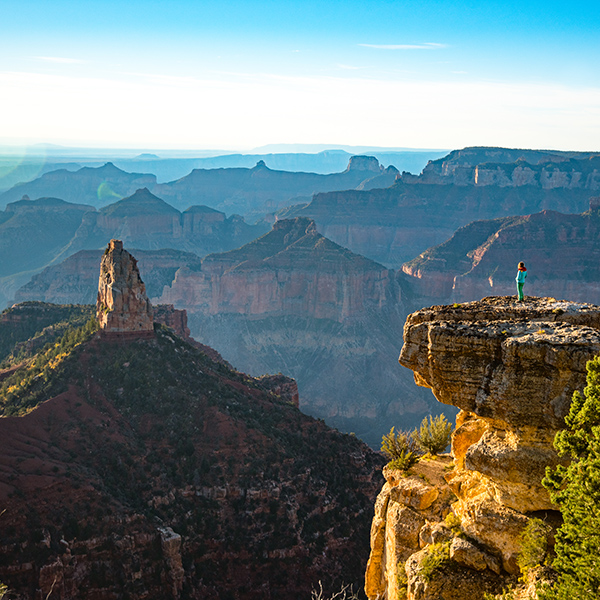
x,y
561,251
122,305
512,369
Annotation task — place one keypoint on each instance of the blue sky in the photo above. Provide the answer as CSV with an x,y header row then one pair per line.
x,y
236,75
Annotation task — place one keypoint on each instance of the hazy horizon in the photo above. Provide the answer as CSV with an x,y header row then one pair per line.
x,y
241,75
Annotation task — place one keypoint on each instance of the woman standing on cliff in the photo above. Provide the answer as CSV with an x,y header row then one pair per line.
x,y
521,276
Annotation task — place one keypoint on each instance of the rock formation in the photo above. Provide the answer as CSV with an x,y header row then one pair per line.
x,y
122,306
293,270
292,301
261,190
75,280
506,167
511,368
37,233
395,224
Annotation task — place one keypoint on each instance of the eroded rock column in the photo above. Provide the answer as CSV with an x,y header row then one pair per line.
x,y
122,305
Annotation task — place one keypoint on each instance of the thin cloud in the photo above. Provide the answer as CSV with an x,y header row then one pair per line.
x,y
425,46
349,67
61,60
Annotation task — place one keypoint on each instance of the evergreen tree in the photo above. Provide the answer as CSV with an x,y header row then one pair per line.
x,y
576,490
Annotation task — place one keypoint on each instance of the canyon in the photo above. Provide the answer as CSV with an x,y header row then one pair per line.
x,y
395,224
134,464
511,368
561,252
38,233
291,301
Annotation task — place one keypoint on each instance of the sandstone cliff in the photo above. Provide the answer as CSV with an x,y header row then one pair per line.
x,y
506,167
393,225
560,251
293,270
511,368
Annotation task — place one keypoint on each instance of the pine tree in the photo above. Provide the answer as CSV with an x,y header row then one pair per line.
x,y
576,490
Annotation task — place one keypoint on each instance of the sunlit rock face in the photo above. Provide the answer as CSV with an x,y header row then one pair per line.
x,y
122,305
512,369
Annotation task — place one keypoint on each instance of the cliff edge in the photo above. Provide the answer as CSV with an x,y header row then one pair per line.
x,y
512,369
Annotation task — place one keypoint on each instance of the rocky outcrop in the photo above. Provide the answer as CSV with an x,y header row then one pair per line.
x,y
176,320
122,305
560,251
512,369
75,280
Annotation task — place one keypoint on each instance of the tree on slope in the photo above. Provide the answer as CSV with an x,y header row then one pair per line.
x,y
576,490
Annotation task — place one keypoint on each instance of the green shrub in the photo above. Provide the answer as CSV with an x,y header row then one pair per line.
x,y
400,448
405,461
401,581
534,546
436,555
506,594
453,522
433,436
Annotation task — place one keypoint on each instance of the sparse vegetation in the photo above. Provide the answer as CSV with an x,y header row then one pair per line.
x,y
506,594
152,436
453,522
433,436
436,555
534,546
34,382
401,581
345,593
401,449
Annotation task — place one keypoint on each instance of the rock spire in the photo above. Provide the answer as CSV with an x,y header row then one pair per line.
x,y
122,305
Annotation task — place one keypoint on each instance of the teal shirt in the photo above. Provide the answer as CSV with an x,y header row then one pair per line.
x,y
521,276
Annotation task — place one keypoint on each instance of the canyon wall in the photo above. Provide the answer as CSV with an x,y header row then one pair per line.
x,y
511,368
295,302
393,225
561,253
